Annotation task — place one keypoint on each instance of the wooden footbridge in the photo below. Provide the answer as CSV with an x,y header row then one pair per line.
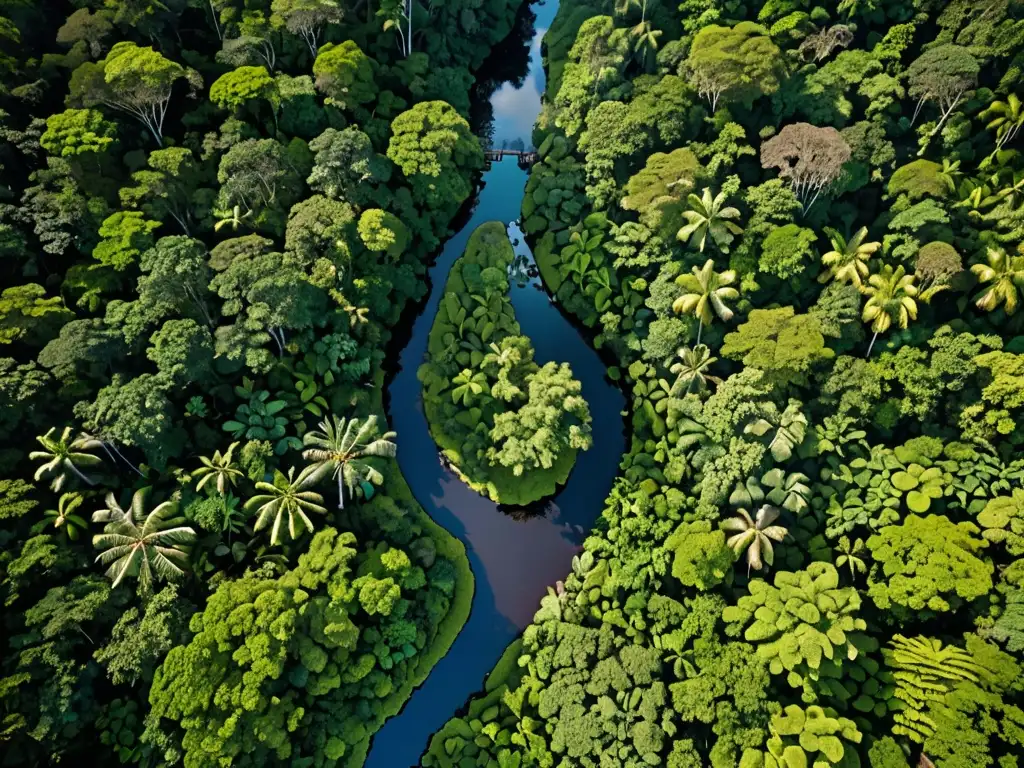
x,y
523,159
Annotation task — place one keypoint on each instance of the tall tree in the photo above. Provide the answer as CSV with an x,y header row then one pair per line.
x,y
709,215
76,132
65,456
342,447
847,262
811,158
1005,117
1003,281
307,18
706,294
346,167
170,186
755,535
891,296
290,499
345,74
943,74
131,79
434,147
739,62
145,545
244,85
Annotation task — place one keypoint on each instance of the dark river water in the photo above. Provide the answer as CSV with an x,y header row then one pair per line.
x,y
515,555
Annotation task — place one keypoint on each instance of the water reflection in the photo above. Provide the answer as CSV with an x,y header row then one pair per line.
x,y
516,106
512,551
515,553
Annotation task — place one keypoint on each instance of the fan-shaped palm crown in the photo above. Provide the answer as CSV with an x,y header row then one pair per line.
x,y
1003,277
890,299
691,369
65,456
709,215
706,294
147,545
848,259
288,498
64,516
220,470
755,535
343,445
1007,118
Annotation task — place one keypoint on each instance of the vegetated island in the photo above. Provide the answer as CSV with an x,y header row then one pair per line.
x,y
509,427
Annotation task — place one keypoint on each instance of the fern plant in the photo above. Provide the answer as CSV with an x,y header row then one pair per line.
x,y
925,671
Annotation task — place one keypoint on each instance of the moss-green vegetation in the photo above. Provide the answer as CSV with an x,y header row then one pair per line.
x,y
510,427
211,218
795,226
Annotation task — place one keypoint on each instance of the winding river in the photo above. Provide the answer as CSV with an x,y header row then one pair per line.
x,y
515,554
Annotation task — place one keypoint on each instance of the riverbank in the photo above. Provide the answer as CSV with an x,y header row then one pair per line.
x,y
447,546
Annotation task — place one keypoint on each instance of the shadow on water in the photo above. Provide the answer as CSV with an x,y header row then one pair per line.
x,y
515,553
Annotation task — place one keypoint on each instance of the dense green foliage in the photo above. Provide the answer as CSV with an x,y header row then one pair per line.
x,y
508,425
796,228
211,218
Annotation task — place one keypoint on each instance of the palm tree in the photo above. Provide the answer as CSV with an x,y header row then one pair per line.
x,y
1004,275
692,369
1007,118
498,356
288,498
706,294
1011,187
951,173
343,445
646,43
145,545
709,215
221,470
64,517
850,555
232,218
755,535
62,456
622,7
848,259
890,299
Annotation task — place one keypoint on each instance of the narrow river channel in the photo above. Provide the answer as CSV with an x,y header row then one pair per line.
x,y
515,554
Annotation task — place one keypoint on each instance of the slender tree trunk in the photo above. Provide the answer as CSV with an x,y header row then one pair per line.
x,y
871,345
79,628
78,472
917,111
216,24
123,458
945,116
341,491
700,327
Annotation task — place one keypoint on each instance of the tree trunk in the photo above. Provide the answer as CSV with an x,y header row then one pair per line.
x,y
871,345
341,491
78,472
